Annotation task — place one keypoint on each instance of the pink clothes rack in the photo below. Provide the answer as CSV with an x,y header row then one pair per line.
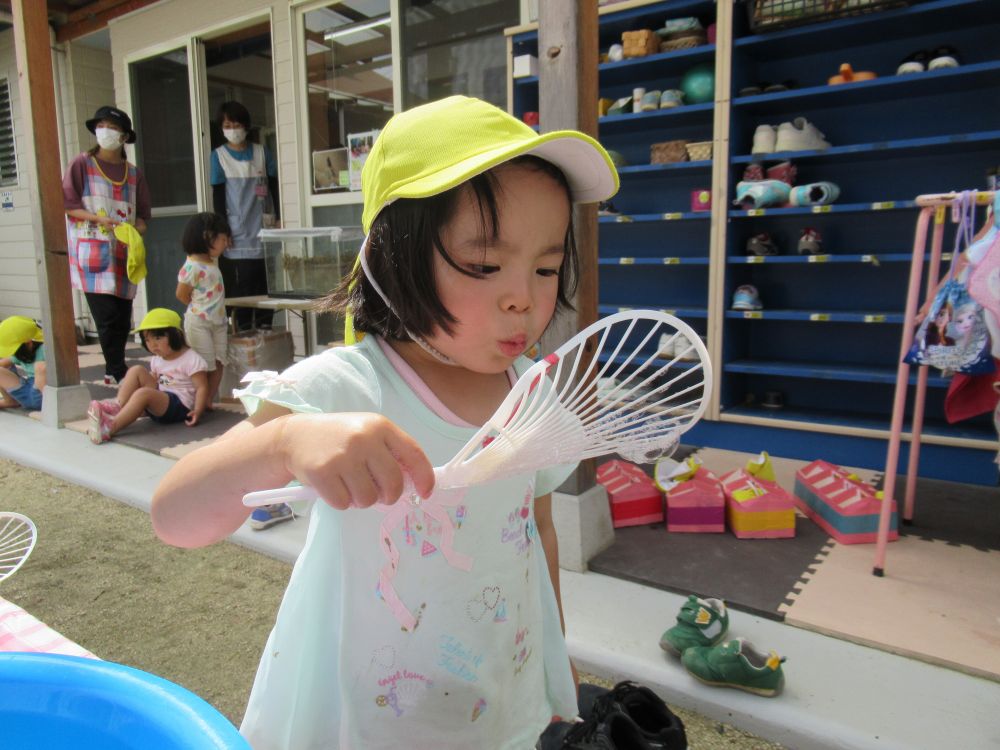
x,y
935,206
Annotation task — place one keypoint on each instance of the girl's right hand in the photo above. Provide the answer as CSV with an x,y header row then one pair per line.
x,y
353,459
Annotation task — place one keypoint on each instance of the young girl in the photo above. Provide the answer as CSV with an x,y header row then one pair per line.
x,y
173,389
22,364
431,624
199,286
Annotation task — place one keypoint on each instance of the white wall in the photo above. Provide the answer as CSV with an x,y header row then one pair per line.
x,y
18,265
89,84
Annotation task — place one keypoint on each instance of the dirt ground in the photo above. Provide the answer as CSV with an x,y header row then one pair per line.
x,y
199,618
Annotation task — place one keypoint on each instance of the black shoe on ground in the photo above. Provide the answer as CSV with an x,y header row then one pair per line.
x,y
615,731
657,724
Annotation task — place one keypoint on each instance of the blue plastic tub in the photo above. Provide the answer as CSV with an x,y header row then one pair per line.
x,y
53,701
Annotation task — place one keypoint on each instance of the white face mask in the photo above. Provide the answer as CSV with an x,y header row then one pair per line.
x,y
236,136
108,138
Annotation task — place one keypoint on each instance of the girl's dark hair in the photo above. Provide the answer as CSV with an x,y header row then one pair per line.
x,y
175,337
402,241
235,112
27,352
201,230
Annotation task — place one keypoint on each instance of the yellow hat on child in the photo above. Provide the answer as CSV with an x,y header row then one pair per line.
x,y
159,317
15,331
429,149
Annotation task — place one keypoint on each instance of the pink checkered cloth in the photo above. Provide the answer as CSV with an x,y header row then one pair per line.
x,y
19,631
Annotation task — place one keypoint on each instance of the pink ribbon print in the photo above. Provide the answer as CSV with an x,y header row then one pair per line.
x,y
436,506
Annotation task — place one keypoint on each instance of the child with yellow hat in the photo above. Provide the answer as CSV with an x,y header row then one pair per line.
x,y
173,389
428,623
22,364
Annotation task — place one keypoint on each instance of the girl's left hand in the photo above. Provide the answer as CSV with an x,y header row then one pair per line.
x,y
192,418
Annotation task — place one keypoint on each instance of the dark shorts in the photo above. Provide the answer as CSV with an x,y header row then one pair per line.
x,y
176,411
27,395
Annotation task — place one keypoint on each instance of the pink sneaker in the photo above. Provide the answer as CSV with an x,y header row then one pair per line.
x,y
99,430
110,406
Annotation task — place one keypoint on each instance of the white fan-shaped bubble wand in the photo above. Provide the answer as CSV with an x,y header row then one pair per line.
x,y
17,539
606,390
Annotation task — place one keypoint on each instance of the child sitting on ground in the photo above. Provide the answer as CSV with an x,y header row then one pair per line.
x,y
200,287
174,389
22,364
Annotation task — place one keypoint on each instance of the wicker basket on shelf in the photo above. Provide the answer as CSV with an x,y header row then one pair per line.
x,y
640,43
699,151
683,40
668,152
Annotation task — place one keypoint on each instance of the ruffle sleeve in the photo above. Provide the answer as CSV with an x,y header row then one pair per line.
x,y
277,389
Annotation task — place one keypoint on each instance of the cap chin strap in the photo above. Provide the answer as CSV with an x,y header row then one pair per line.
x,y
419,340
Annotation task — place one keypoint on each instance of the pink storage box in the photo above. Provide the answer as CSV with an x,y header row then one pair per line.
x,y
757,508
845,508
634,498
697,504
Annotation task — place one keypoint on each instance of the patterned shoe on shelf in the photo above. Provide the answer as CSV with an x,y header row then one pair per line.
x,y
746,297
814,194
943,57
761,194
753,173
785,171
269,515
915,62
736,664
701,622
657,723
606,208
811,242
761,244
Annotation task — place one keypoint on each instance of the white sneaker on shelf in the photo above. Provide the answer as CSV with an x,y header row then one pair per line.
x,y
800,135
764,139
665,349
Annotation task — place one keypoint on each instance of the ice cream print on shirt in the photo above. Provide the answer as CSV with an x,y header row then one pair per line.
x,y
520,529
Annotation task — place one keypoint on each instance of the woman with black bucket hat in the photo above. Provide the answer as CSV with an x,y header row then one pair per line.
x,y
101,189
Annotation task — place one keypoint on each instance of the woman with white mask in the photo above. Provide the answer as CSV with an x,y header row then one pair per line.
x,y
244,181
101,189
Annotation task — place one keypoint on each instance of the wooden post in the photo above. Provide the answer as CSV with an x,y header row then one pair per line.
x,y
33,47
567,97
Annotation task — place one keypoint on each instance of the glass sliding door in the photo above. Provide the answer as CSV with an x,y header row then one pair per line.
x,y
161,111
348,66
455,47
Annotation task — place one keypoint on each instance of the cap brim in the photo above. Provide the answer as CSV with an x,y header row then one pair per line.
x,y
589,170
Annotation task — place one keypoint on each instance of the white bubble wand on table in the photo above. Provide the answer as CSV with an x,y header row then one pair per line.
x,y
604,391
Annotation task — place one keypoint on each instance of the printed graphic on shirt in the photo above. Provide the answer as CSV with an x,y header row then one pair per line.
x,y
402,691
458,659
522,650
479,709
487,602
520,529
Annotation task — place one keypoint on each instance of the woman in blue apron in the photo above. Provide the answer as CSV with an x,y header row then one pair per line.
x,y
244,181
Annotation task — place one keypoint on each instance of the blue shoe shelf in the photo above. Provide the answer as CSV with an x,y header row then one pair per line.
x,y
828,336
